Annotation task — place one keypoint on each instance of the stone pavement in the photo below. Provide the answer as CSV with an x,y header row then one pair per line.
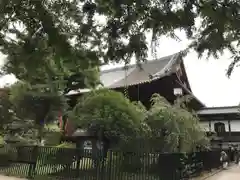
x,y
233,173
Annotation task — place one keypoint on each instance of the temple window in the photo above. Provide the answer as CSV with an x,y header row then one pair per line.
x,y
219,127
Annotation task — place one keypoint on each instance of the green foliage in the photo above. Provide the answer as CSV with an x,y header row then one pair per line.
x,y
5,157
35,103
10,117
66,41
173,128
41,52
7,114
164,127
108,113
30,110
52,138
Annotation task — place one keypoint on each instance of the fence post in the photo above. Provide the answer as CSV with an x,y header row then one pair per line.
x,y
102,160
110,165
78,153
33,162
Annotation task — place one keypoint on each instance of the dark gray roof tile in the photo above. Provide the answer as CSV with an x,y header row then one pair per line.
x,y
219,110
155,69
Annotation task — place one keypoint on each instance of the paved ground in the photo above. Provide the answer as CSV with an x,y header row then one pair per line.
x,y
9,178
233,173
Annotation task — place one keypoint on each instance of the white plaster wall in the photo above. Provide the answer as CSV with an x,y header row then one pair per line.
x,y
235,125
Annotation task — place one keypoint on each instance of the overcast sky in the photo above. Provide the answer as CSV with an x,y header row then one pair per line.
x,y
207,78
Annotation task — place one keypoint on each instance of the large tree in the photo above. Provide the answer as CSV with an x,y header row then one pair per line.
x,y
67,40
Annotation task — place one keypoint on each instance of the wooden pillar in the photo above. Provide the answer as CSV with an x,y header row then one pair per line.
x,y
229,128
210,125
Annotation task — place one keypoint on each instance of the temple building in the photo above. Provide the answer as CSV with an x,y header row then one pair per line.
x,y
222,123
166,76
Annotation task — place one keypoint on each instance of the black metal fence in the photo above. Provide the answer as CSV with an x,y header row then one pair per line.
x,y
66,163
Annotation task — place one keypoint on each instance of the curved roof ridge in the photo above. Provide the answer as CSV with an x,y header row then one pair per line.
x,y
160,67
172,61
143,63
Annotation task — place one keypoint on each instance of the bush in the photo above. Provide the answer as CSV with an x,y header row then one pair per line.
x,y
108,114
52,138
173,128
4,159
5,156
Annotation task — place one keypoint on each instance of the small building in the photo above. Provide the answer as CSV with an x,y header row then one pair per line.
x,y
223,123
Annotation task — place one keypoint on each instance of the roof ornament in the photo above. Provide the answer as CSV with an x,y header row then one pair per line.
x,y
150,76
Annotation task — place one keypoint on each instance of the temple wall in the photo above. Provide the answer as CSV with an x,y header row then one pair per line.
x,y
235,125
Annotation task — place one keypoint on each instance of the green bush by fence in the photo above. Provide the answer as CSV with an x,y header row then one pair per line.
x,y
67,163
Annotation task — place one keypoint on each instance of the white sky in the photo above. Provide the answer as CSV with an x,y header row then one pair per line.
x,y
207,78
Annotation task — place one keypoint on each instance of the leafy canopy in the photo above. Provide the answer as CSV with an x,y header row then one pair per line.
x,y
67,40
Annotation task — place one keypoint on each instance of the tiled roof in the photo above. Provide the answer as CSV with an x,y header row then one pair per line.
x,y
155,69
133,74
112,76
219,110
